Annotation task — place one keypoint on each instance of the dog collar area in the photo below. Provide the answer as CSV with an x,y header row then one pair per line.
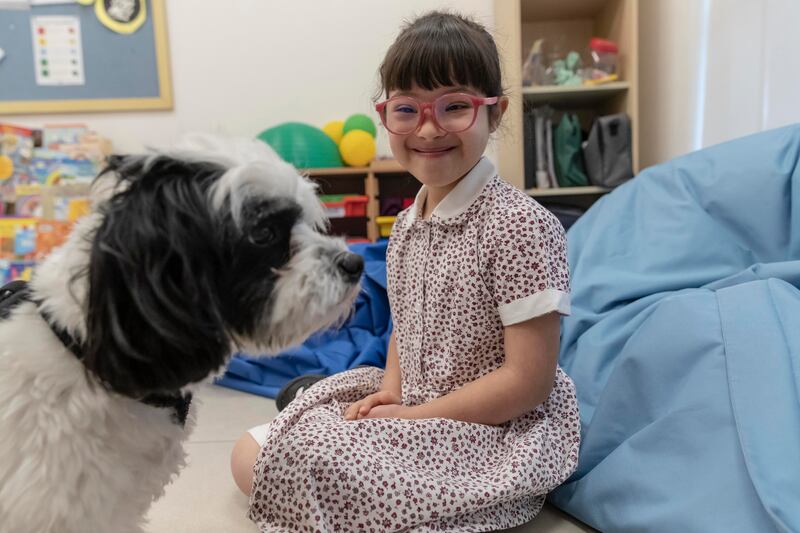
x,y
16,292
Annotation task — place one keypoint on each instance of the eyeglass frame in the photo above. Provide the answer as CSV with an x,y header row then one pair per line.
x,y
477,102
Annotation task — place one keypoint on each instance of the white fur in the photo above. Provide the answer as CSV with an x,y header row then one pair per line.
x,y
75,458
249,158
66,444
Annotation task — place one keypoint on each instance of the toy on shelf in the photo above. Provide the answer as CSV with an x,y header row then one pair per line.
x,y
533,70
385,225
392,205
355,206
359,122
302,145
344,205
605,56
567,71
547,64
357,148
349,142
334,129
355,138
333,204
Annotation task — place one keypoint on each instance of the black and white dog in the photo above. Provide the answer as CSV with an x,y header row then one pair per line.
x,y
188,257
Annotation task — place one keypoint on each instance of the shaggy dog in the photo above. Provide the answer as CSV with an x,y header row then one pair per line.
x,y
188,257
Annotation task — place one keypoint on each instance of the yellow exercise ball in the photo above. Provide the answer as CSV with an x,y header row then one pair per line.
x,y
334,129
357,148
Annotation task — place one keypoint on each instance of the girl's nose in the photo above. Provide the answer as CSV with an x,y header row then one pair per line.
x,y
428,128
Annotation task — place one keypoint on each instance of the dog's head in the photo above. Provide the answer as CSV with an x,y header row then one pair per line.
x,y
190,258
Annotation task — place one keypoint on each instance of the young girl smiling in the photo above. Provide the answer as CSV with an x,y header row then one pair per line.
x,y
472,422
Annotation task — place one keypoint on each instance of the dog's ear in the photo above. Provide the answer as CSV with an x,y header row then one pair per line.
x,y
153,313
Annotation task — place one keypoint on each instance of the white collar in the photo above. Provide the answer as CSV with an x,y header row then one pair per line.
x,y
461,197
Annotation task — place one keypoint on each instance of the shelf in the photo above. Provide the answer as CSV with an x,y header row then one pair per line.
x,y
566,191
387,166
537,10
567,25
349,227
336,171
573,95
363,180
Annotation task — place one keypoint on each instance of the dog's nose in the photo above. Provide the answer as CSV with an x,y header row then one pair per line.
x,y
351,264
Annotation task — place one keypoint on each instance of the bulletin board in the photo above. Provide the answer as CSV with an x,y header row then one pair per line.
x,y
113,71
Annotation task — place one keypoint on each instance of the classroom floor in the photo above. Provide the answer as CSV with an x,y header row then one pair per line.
x,y
204,499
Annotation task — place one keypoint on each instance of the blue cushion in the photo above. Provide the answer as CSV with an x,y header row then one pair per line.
x,y
684,344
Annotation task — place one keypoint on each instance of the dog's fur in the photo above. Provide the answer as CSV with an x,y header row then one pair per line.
x,y
187,258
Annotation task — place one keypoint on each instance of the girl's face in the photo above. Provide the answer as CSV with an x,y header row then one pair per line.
x,y
436,157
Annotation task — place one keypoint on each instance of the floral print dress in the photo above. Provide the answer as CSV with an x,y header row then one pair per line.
x,y
488,257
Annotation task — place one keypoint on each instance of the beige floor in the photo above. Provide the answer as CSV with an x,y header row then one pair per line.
x,y
205,500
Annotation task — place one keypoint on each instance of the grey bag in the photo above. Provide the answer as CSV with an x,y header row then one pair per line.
x,y
607,151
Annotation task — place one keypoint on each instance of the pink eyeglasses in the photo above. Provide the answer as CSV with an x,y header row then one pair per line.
x,y
453,112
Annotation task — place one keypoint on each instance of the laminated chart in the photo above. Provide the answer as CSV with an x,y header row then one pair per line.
x,y
57,50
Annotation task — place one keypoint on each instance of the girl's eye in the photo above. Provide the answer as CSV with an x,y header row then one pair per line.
x,y
404,109
456,107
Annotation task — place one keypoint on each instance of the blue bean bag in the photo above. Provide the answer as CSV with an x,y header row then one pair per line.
x,y
684,345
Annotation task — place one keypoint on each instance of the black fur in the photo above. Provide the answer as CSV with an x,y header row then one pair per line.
x,y
170,279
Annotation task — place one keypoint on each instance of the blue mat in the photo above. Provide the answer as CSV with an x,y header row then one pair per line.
x,y
363,340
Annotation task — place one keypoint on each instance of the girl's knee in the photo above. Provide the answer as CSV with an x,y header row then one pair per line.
x,y
243,459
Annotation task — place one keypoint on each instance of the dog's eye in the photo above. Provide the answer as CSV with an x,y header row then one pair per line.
x,y
262,233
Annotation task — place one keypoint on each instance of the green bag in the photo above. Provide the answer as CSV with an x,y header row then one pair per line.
x,y
568,153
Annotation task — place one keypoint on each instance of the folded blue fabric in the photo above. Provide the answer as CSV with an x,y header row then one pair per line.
x,y
362,340
684,347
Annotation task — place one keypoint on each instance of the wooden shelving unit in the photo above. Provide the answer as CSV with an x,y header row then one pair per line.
x,y
518,23
381,177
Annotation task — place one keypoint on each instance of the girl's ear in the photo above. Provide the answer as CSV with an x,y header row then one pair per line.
x,y
497,113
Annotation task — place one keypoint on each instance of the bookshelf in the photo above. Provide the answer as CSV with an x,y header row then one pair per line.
x,y
518,23
382,178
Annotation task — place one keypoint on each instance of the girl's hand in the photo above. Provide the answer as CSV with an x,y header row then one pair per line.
x,y
362,408
387,411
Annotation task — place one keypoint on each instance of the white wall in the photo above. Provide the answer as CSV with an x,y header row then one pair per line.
x,y
715,70
241,66
753,67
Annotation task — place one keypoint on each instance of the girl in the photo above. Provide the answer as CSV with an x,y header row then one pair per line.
x,y
472,422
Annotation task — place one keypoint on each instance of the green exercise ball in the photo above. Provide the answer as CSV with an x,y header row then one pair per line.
x,y
302,145
359,122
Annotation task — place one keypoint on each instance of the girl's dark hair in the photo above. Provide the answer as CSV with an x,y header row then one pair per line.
x,y
439,49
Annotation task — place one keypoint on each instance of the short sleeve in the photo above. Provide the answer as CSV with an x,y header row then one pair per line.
x,y
526,264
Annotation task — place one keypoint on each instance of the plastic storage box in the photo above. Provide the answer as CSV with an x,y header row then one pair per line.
x,y
355,206
385,225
